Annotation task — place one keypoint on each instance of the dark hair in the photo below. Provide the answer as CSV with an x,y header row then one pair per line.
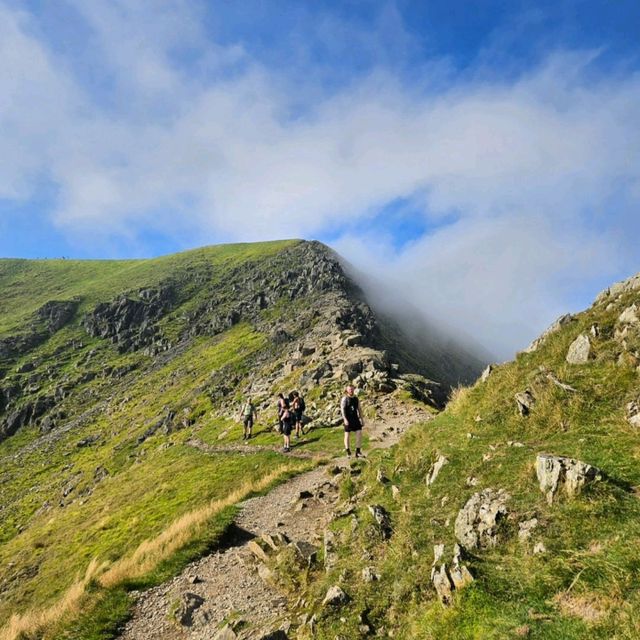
x,y
280,396
295,394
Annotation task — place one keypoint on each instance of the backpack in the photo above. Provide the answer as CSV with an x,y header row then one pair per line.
x,y
301,405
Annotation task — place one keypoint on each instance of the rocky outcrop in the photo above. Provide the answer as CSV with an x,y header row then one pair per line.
x,y
631,284
448,578
477,524
558,474
556,326
27,413
57,313
579,350
129,322
335,597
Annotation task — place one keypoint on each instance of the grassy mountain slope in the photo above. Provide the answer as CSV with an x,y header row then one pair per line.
x,y
576,575
110,370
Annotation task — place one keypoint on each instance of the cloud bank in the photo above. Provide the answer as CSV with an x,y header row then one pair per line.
x,y
526,187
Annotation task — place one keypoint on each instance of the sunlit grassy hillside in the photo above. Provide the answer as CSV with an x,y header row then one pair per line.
x,y
577,575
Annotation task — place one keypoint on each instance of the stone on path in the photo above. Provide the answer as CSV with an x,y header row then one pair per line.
x,y
187,605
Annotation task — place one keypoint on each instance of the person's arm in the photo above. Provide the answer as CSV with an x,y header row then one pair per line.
x,y
360,414
343,404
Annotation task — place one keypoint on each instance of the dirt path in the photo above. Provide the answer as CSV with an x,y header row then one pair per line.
x,y
232,583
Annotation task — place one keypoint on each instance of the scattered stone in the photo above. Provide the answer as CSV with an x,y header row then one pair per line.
x,y
447,579
381,478
187,605
257,551
524,401
381,516
539,548
435,469
557,473
560,384
560,322
471,481
266,575
478,522
579,350
226,633
330,554
595,330
633,414
526,528
395,492
335,597
629,315
369,574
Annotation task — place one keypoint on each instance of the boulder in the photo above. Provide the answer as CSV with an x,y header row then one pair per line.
x,y
369,574
477,524
629,315
435,468
557,473
226,633
335,597
579,350
188,603
524,402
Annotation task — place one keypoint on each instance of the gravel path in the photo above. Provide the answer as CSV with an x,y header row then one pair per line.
x,y
226,584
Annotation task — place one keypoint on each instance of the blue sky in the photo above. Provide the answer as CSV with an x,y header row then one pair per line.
x,y
483,158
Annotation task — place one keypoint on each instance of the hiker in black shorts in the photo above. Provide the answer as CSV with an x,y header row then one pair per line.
x,y
248,414
353,420
283,403
286,422
297,407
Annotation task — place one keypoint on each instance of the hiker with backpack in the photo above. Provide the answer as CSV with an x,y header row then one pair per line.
x,y
248,415
352,419
286,423
283,403
298,407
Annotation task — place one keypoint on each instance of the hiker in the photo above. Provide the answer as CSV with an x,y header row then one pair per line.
x,y
248,415
298,407
283,403
353,420
286,421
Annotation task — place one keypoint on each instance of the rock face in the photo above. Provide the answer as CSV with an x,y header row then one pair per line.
x,y
629,315
557,473
579,350
478,522
631,284
128,321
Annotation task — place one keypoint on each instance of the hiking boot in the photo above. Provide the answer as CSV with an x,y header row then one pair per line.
x,y
359,453
348,452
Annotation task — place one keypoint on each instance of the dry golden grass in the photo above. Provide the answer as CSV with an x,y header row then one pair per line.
x,y
144,559
30,622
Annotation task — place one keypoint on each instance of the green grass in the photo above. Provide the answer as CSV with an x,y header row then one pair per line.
x,y
593,542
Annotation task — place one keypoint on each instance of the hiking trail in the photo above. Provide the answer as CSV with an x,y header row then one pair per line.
x,y
225,585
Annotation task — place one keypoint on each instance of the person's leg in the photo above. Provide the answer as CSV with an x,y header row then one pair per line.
x,y
346,443
249,427
358,442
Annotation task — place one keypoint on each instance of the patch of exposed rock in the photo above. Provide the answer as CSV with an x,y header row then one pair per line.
x,y
558,474
447,578
477,524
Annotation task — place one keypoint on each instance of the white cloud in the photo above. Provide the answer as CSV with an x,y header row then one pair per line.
x,y
214,146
